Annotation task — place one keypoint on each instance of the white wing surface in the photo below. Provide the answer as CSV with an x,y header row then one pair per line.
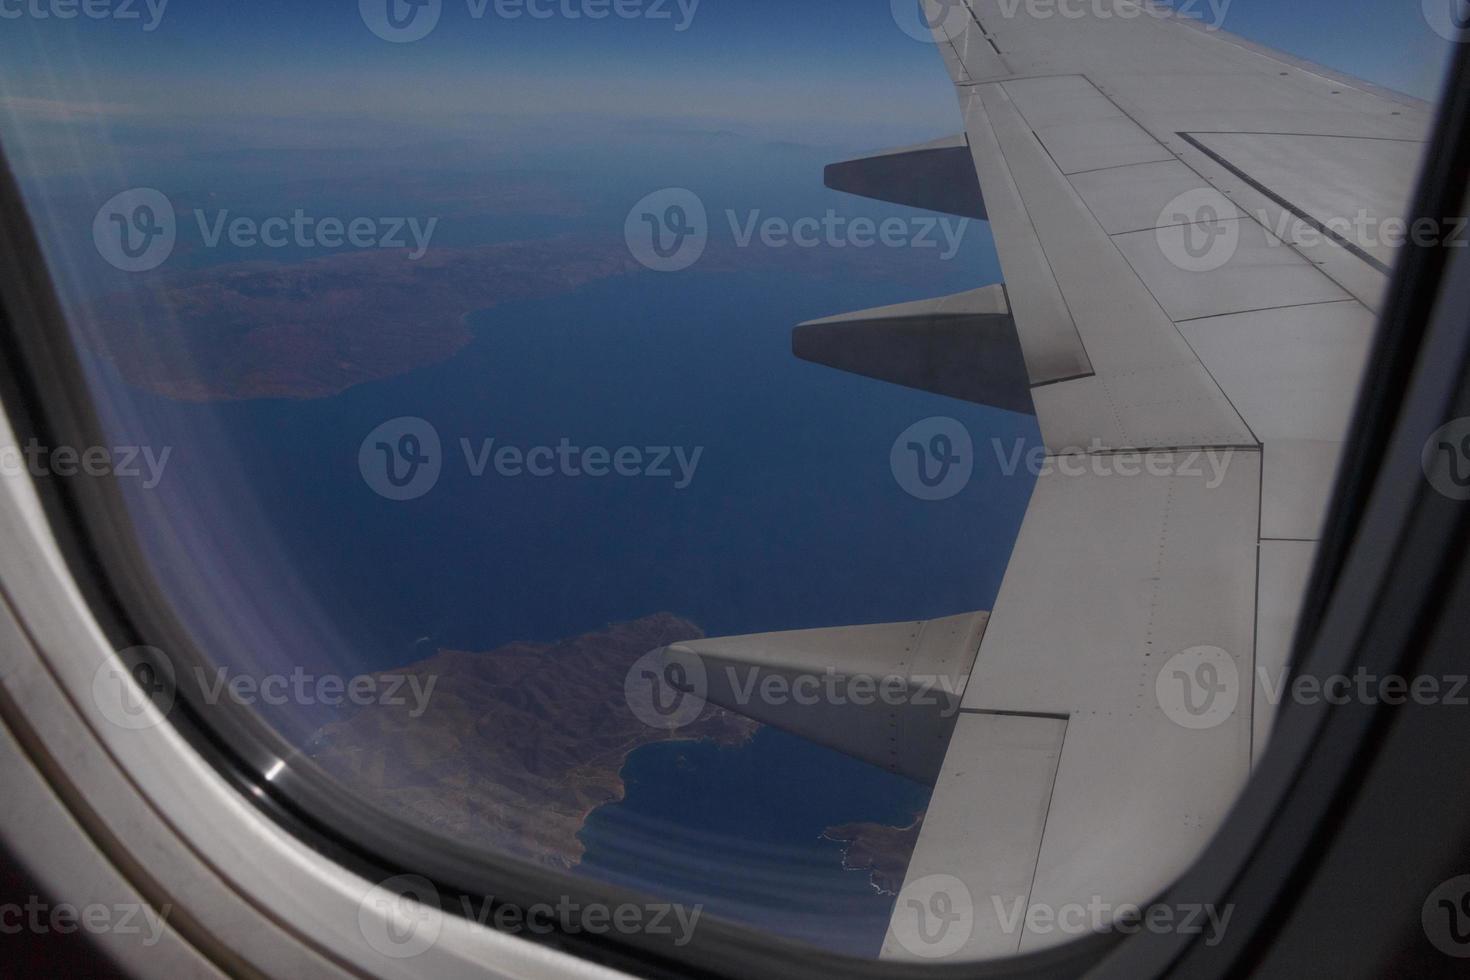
x,y
1195,235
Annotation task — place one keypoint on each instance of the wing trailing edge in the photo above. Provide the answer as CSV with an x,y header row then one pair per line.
x,y
937,176
962,346
888,693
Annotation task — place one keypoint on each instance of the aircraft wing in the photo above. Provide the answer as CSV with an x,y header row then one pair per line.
x,y
1195,234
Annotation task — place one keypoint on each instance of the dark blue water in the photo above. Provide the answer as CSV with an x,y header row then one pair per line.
x,y
738,830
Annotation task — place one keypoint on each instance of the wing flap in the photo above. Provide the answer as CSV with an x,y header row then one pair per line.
x,y
985,823
1115,571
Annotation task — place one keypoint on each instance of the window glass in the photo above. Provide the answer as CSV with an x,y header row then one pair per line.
x,y
446,358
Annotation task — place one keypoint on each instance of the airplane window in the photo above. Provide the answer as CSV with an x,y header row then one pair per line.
x,y
845,470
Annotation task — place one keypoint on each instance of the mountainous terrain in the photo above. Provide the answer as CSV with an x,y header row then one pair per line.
x,y
518,744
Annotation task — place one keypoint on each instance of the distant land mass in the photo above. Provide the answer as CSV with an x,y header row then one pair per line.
x,y
518,745
879,849
313,329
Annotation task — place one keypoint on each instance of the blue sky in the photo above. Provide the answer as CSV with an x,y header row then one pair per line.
x,y
775,67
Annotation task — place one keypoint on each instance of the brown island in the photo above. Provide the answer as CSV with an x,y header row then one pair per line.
x,y
517,745
879,849
313,329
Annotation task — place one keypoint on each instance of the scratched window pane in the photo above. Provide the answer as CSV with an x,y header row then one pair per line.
x,y
845,470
